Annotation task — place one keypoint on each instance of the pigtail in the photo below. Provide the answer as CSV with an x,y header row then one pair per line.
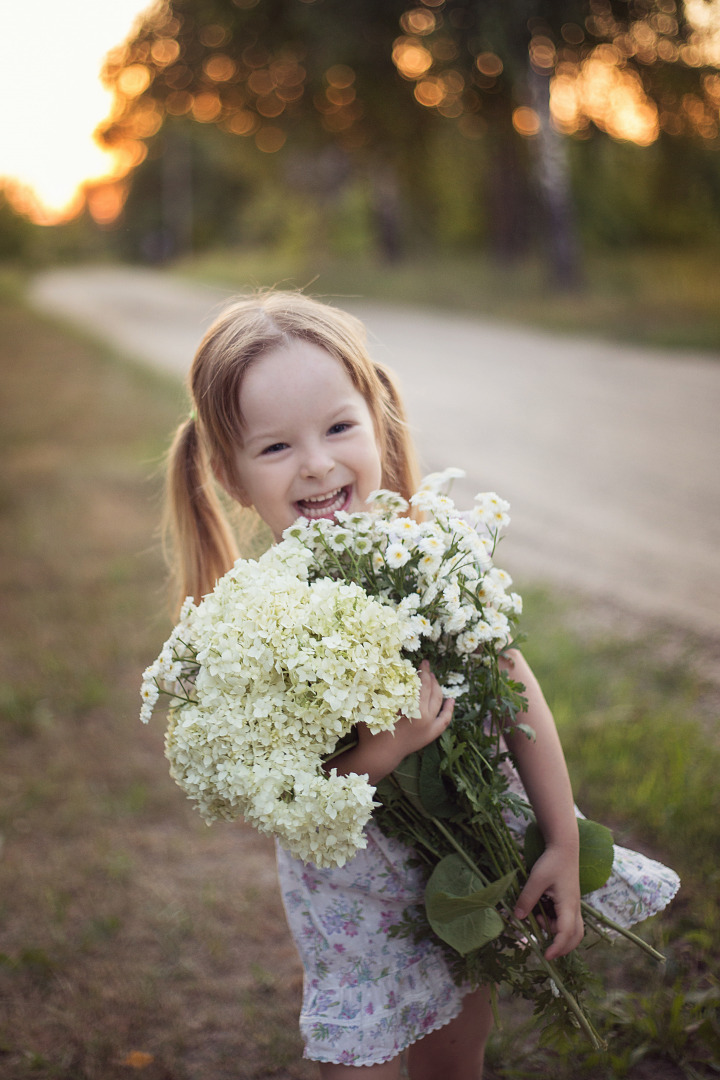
x,y
400,468
199,541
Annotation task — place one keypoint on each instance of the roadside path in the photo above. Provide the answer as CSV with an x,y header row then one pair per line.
x,y
609,454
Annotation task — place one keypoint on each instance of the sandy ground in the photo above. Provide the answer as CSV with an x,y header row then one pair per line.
x,y
609,454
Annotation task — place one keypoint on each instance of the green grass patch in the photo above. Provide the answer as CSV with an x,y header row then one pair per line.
x,y
638,725
666,297
631,719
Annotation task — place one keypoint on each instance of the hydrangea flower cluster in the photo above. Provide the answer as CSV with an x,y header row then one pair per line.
x,y
266,675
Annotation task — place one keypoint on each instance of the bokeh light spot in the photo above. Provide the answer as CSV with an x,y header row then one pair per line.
x,y
178,103
340,76
243,122
288,74
430,92
542,54
206,108
489,64
270,139
105,201
526,121
213,35
261,83
419,21
133,80
219,68
165,51
270,106
411,59
340,97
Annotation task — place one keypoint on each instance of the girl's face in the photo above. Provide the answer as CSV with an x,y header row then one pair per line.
x,y
309,447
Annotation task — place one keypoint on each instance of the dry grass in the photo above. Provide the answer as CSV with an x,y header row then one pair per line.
x,y
127,927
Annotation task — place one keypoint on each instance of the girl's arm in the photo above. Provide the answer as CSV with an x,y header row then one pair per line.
x,y
542,768
377,755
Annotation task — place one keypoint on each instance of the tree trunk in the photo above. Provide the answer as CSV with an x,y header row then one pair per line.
x,y
387,210
552,174
177,194
508,200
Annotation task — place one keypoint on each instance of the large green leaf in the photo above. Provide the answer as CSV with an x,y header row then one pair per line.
x,y
433,794
407,775
460,909
596,852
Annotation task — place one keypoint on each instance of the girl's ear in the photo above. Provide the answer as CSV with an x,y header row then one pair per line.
x,y
229,483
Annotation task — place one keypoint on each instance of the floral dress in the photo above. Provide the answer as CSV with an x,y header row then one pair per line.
x,y
367,996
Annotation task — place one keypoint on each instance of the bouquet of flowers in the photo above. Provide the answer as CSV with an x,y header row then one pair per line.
x,y
266,675
270,673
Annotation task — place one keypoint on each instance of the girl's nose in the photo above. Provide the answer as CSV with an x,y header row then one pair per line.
x,y
317,463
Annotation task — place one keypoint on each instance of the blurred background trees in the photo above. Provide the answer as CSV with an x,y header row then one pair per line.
x,y
397,128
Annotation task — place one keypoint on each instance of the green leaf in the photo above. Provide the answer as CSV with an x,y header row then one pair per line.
x,y
433,794
596,852
533,845
407,776
386,791
460,909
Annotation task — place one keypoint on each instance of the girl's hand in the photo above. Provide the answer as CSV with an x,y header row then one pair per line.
x,y
377,755
555,875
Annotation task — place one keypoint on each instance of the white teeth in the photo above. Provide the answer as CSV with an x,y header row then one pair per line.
x,y
318,506
322,498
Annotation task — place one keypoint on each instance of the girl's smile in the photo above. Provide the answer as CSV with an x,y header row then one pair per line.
x,y
309,446
324,505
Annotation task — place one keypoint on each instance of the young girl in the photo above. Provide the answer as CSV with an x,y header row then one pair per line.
x,y
292,418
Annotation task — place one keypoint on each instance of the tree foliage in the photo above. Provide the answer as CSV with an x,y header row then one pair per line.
x,y
330,87
630,68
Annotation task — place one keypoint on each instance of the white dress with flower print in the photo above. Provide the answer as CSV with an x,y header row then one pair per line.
x,y
367,996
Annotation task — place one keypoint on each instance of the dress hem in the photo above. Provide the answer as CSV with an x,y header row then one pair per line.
x,y
441,1023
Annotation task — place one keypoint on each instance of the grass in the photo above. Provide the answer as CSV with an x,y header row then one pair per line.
x,y
126,926
135,940
668,298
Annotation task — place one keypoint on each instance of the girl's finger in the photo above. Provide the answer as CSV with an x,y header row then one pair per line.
x,y
446,713
564,942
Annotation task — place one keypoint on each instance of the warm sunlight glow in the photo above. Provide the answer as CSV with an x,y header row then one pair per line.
x,y
705,17
601,90
51,53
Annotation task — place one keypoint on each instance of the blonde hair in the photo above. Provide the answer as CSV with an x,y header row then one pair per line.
x,y
202,544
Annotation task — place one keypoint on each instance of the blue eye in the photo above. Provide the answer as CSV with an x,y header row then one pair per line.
x,y
337,429
275,448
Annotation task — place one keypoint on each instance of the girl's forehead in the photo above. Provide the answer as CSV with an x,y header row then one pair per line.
x,y
296,367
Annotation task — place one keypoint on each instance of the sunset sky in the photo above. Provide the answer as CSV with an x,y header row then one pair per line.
x,y
51,52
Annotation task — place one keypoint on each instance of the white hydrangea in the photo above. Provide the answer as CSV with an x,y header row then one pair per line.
x,y
279,670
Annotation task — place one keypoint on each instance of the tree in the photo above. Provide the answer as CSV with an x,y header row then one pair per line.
x,y
545,69
283,75
371,78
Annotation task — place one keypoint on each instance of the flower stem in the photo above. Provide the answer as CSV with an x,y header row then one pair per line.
x,y
591,915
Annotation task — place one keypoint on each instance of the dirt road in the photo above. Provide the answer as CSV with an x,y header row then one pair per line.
x,y
610,455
